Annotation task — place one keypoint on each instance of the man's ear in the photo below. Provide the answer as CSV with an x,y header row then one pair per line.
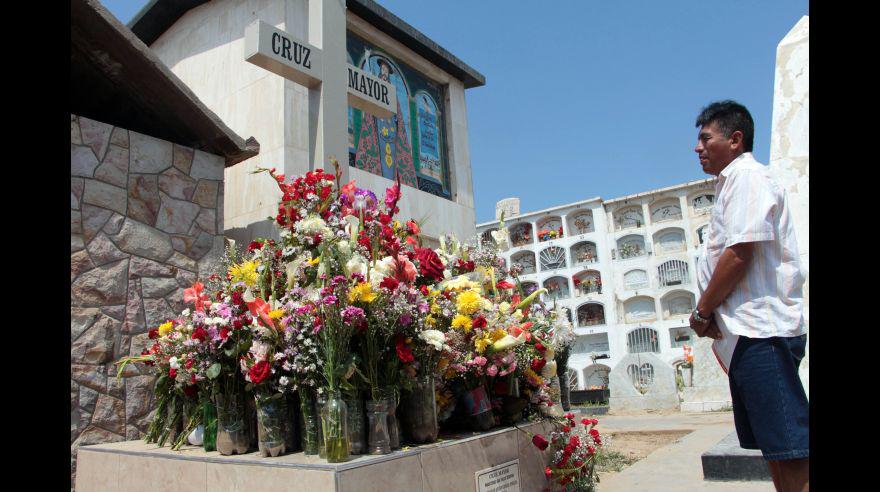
x,y
736,139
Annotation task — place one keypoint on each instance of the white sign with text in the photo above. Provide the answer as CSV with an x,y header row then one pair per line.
x,y
371,94
280,53
500,478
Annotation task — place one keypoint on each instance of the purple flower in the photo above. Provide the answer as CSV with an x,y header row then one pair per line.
x,y
303,310
368,197
405,319
352,315
329,300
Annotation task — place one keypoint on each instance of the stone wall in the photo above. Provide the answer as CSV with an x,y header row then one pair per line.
x,y
146,220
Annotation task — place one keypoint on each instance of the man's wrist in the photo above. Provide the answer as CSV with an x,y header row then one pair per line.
x,y
701,316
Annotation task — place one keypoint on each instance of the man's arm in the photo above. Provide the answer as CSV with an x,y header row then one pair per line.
x,y
732,266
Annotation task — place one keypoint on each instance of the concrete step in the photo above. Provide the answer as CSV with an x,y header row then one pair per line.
x,y
728,461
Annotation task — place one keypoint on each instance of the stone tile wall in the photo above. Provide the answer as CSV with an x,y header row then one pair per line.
x,y
146,221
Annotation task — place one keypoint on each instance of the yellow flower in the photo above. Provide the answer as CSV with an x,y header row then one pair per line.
x,y
482,343
361,292
430,321
435,308
245,272
385,132
165,328
462,323
396,224
276,314
498,334
468,302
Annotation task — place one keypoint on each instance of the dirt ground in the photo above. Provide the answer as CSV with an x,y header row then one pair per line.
x,y
627,447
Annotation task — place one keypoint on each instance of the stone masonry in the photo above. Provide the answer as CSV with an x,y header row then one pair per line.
x,y
146,221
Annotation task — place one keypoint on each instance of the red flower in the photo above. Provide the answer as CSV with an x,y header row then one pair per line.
x,y
541,443
504,285
389,283
195,295
569,416
254,245
259,371
479,322
538,364
189,363
566,428
172,373
199,334
423,289
540,348
429,263
224,332
585,421
404,352
153,333
548,472
412,227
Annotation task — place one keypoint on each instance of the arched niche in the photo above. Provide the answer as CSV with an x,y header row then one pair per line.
x,y
677,304
669,240
665,210
643,339
639,308
701,233
552,258
702,202
549,228
628,218
631,246
486,236
587,282
581,222
584,253
524,261
680,336
591,314
635,279
557,289
521,234
673,272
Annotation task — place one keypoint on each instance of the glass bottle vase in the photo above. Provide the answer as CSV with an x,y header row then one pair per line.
x,y
209,420
378,441
478,409
319,406
334,427
271,413
393,424
309,421
233,436
355,424
418,411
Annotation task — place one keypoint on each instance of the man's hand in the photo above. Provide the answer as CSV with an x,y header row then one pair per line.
x,y
706,329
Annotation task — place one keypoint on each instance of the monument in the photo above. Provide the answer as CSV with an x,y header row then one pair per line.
x,y
378,96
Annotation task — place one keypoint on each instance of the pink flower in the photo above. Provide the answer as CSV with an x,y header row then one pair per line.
x,y
392,195
480,360
195,295
404,270
492,370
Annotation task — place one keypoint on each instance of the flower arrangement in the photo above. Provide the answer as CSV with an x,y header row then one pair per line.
x,y
688,357
574,449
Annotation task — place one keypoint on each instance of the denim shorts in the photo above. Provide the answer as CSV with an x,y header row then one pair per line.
x,y
770,407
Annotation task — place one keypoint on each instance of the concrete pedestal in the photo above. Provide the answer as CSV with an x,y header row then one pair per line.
x,y
728,461
447,465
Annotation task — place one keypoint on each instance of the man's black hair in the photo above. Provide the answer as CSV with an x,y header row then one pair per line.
x,y
729,116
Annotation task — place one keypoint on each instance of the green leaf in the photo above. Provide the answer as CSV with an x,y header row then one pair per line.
x,y
213,371
229,352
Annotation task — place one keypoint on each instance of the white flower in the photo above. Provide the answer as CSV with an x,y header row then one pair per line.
x,y
509,341
435,338
283,381
312,225
549,370
278,355
260,350
502,239
356,265
174,363
185,312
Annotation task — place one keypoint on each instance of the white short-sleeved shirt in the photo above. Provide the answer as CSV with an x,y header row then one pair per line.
x,y
751,207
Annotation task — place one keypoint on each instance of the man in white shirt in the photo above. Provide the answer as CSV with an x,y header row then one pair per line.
x,y
751,300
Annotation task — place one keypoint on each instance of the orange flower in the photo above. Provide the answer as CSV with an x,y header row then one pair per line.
x,y
195,295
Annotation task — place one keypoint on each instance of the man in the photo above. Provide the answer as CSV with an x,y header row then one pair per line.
x,y
751,299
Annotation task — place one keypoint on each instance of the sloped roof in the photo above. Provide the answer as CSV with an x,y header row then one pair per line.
x,y
159,15
117,79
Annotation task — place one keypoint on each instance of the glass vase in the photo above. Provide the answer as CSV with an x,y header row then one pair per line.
x,y
209,420
309,421
334,427
393,425
478,409
418,411
319,406
233,436
291,424
271,413
378,441
355,425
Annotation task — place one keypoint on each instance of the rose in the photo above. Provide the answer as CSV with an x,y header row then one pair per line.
x,y
430,264
200,334
404,352
541,443
259,371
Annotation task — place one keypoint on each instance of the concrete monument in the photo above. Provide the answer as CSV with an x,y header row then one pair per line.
x,y
642,382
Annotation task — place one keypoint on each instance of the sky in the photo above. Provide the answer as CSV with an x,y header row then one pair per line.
x,y
596,98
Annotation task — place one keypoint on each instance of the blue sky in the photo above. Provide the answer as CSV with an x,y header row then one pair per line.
x,y
596,98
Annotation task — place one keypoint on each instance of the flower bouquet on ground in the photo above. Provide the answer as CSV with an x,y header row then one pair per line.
x,y
574,450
